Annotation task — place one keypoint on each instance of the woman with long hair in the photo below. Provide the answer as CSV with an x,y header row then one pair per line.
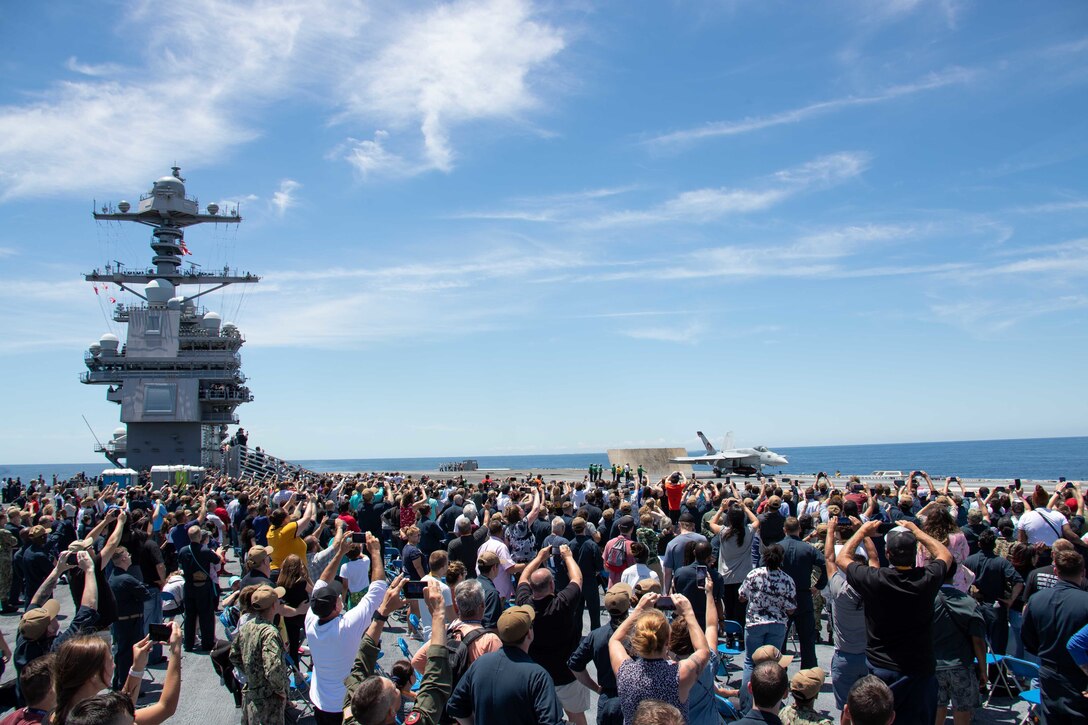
x,y
295,578
651,674
84,667
734,553
938,522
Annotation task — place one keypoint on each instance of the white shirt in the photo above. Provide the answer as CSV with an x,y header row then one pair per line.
x,y
333,646
1042,525
425,611
635,573
504,581
357,573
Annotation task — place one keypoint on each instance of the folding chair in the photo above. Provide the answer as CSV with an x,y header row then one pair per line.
x,y
1028,671
732,629
404,650
298,689
726,710
997,662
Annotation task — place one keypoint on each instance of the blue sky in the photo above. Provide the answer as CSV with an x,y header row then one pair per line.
x,y
501,226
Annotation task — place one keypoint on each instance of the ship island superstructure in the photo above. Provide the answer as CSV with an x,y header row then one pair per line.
x,y
178,376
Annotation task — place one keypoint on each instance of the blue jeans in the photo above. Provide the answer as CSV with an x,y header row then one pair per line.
x,y
757,635
846,669
153,615
1016,645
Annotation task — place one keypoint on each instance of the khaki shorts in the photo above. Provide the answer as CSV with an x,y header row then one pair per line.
x,y
574,697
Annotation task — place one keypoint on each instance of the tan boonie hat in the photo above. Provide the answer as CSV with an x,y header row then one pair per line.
x,y
807,683
79,545
36,621
36,532
617,600
578,524
486,560
266,597
515,623
770,653
256,556
646,586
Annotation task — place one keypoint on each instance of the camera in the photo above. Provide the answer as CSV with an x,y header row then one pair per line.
x,y
414,589
73,558
665,604
160,632
358,537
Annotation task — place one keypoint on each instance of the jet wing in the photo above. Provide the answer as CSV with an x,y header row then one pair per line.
x,y
710,459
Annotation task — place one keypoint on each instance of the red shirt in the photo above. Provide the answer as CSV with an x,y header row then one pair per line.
x,y
674,492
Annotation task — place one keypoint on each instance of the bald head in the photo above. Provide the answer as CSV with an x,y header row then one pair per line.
x,y
541,583
194,534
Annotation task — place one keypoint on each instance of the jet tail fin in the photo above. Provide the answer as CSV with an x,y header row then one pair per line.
x,y
709,448
728,441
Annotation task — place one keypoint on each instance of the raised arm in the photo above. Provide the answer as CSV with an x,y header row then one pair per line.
x,y
538,560
377,563
115,539
45,591
573,570
936,548
167,705
830,564
342,543
617,653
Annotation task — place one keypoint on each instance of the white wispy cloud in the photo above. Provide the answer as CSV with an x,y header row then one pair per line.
x,y
209,70
706,205
284,197
566,206
8,252
687,334
464,61
991,316
933,81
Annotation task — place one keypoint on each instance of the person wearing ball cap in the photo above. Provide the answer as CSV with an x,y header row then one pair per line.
x,y
805,686
594,648
898,602
258,651
497,687
334,634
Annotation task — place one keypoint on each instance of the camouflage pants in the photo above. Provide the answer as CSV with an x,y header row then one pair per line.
x,y
262,710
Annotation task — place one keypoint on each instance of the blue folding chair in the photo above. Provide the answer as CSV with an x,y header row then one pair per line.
x,y
725,709
726,653
404,650
1029,672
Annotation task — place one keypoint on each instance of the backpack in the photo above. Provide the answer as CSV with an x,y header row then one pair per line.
x,y
459,659
615,554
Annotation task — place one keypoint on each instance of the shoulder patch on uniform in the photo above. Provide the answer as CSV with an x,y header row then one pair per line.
x,y
413,718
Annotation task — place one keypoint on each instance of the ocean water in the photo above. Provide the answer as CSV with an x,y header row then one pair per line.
x,y
1030,458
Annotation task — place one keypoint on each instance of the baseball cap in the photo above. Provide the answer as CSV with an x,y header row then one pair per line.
x,y
256,556
770,653
900,543
36,621
626,523
774,502
578,524
323,601
645,586
807,683
515,623
617,600
486,560
266,597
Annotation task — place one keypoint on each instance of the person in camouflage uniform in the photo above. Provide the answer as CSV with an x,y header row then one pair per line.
x,y
377,696
258,652
8,544
804,687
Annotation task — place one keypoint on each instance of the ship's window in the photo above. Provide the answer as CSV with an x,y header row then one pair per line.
x,y
160,398
154,324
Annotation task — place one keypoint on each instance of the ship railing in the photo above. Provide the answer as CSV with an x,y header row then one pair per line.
x,y
263,466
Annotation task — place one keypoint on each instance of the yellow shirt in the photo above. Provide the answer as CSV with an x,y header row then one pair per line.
x,y
284,542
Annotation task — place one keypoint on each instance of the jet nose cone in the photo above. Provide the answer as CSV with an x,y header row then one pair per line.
x,y
779,460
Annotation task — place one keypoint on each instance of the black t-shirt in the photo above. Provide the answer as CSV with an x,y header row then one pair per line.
x,y
686,582
899,614
465,548
555,632
107,605
254,577
149,558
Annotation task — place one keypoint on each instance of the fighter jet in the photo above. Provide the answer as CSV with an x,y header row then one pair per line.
x,y
730,460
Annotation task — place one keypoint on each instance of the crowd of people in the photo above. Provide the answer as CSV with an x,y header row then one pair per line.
x,y
683,594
